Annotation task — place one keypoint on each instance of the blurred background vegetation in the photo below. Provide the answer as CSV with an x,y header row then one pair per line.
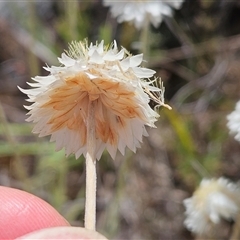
x,y
197,55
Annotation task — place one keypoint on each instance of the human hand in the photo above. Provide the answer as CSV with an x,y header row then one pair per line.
x,y
25,216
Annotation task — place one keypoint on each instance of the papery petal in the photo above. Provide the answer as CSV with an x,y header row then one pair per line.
x,y
111,56
143,72
136,60
96,58
66,60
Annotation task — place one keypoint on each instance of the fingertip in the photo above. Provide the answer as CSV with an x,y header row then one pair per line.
x,y
22,213
64,233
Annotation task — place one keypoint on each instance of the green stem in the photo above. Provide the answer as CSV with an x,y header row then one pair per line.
x,y
32,26
71,18
17,164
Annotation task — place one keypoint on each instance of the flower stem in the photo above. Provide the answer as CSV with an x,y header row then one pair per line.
x,y
91,176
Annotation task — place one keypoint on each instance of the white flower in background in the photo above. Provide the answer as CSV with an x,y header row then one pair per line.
x,y
113,81
139,12
213,200
234,121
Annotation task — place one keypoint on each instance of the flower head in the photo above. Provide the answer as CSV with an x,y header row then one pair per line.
x,y
139,11
234,122
213,200
115,84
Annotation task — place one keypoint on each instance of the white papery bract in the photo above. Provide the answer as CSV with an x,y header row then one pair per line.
x,y
213,200
139,12
113,81
234,122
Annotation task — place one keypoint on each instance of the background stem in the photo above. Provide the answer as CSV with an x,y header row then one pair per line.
x,y
236,229
71,18
144,39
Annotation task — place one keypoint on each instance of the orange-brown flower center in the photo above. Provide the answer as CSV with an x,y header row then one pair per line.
x,y
115,103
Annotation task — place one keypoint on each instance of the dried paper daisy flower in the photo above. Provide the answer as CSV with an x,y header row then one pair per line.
x,y
113,81
98,98
213,200
139,12
234,121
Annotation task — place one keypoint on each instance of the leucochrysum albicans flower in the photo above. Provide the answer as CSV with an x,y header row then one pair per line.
x,y
234,121
116,85
139,12
213,200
